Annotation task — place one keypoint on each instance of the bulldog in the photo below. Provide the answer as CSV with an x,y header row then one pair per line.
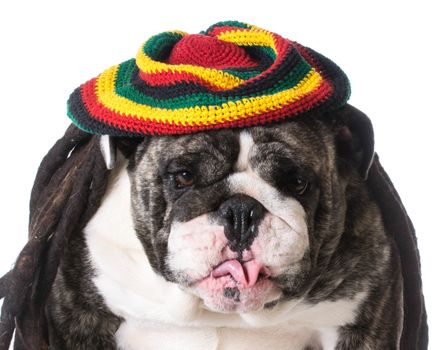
x,y
265,237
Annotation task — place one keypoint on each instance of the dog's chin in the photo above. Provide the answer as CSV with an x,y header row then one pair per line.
x,y
225,294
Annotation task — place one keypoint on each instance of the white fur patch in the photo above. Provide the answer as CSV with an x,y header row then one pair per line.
x,y
160,315
123,274
287,209
197,245
282,237
108,151
246,143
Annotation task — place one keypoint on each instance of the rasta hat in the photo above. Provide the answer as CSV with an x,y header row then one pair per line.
x,y
231,75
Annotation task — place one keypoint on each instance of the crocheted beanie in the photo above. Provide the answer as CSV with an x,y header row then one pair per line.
x,y
231,75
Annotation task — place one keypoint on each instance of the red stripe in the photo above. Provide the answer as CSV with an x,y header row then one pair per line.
x,y
132,124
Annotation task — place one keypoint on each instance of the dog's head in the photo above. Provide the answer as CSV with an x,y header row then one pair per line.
x,y
244,218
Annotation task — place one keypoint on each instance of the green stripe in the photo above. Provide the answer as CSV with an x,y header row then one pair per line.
x,y
158,47
268,51
245,75
125,89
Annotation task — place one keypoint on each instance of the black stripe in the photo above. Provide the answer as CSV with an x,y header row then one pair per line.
x,y
331,72
78,109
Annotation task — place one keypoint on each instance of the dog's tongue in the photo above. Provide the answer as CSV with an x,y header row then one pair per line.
x,y
246,274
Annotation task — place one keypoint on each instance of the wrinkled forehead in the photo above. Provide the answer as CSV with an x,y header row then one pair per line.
x,y
305,144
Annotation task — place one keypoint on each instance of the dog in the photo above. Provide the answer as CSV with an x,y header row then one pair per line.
x,y
254,238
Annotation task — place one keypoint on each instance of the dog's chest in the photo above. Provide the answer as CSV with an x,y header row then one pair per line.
x,y
160,315
151,335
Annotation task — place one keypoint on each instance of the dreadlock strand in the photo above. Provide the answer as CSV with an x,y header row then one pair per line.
x,y
97,188
31,325
41,229
25,270
50,164
4,284
58,178
68,189
73,212
54,159
34,337
7,326
57,193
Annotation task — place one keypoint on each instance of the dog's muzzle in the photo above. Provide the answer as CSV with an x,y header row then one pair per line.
x,y
242,215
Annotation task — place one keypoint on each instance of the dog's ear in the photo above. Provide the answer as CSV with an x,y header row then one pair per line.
x,y
109,146
128,145
354,137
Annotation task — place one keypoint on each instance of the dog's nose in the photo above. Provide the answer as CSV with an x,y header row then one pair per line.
x,y
242,215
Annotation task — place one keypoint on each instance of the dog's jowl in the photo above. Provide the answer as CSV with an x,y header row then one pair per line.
x,y
238,204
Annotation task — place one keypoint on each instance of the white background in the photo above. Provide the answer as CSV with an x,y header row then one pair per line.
x,y
388,50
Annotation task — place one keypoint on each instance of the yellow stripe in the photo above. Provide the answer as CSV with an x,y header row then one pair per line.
x,y
255,37
214,77
105,91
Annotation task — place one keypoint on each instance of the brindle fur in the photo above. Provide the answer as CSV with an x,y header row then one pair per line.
x,y
349,248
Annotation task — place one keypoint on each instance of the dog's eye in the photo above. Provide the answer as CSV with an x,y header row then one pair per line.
x,y
299,185
183,179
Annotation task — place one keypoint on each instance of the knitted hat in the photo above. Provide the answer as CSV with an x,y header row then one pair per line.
x,y
231,75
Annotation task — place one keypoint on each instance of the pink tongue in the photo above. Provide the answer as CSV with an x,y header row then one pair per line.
x,y
246,275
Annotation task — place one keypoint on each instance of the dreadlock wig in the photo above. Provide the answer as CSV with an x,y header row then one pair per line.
x,y
233,75
68,189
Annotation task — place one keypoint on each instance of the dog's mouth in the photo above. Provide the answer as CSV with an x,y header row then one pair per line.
x,y
246,274
236,285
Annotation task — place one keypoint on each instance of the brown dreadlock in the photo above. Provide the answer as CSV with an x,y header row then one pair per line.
x,y
68,189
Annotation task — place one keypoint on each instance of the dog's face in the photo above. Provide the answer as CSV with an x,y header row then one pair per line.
x,y
241,218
